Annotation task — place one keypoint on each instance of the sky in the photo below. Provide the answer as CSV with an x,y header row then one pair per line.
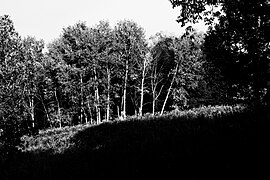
x,y
45,19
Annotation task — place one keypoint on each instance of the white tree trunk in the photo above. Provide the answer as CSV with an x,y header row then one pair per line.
x,y
81,89
153,104
108,95
169,90
32,111
58,109
90,111
125,91
142,88
97,103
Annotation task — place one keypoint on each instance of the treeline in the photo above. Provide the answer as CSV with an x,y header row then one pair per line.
x,y
102,73
95,74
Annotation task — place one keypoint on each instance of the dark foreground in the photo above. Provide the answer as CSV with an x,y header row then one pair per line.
x,y
233,146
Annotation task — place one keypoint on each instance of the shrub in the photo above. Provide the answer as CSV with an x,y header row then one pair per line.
x,y
55,140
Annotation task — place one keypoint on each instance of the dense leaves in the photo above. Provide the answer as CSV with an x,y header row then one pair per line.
x,y
193,10
237,47
12,111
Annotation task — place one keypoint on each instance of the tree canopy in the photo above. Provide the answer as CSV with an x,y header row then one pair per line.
x,y
238,45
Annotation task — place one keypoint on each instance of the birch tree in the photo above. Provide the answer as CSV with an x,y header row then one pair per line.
x,y
130,41
187,72
33,74
161,66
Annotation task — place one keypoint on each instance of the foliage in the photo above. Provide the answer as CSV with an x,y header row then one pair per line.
x,y
237,46
240,48
211,112
190,57
130,48
193,10
12,109
161,65
55,140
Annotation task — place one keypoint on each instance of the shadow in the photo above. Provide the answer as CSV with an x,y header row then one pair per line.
x,y
230,147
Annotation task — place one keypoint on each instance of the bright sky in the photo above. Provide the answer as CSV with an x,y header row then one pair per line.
x,y
45,19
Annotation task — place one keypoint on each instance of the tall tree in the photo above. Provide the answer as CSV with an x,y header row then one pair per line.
x,y
89,56
189,59
13,120
102,55
243,36
161,66
33,74
103,43
130,43
242,40
60,94
144,68
73,49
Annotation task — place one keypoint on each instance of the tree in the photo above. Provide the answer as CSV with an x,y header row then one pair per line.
x,y
161,66
90,59
60,95
129,46
194,10
73,50
102,50
33,75
243,36
144,68
190,59
177,69
13,120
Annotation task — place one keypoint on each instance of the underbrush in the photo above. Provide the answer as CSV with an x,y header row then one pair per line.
x,y
57,140
51,140
219,142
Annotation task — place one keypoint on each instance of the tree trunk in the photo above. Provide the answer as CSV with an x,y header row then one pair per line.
x,y
85,116
142,88
46,111
81,89
118,111
97,103
90,112
155,97
154,86
32,111
97,107
153,104
58,109
108,94
169,90
125,91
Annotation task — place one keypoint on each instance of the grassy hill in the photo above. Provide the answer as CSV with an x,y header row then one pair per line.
x,y
220,142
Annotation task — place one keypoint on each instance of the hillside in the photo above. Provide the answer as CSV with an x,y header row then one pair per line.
x,y
206,143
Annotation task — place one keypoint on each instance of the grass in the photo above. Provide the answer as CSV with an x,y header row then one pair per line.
x,y
53,141
228,143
